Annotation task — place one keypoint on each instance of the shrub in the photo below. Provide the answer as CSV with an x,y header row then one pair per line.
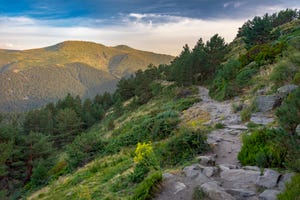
x,y
144,155
144,190
183,147
244,77
268,148
296,79
219,126
84,148
246,112
199,194
58,169
147,128
139,173
222,87
292,190
289,111
283,72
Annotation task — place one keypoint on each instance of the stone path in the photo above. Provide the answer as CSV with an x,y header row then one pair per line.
x,y
219,173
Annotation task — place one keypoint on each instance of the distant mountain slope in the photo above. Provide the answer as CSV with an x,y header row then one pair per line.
x,y
31,78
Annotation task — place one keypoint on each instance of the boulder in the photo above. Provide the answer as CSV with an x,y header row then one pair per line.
x,y
178,186
261,118
297,130
192,171
209,171
167,175
285,90
240,175
284,179
269,179
215,192
269,195
207,160
267,102
224,167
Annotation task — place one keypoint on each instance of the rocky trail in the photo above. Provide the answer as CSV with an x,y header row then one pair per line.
x,y
219,173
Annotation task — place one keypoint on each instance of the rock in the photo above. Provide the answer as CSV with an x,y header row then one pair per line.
x,y
253,168
260,118
201,178
241,193
192,171
267,103
240,176
269,179
284,179
167,175
178,186
262,91
215,192
207,160
237,127
209,171
224,167
269,195
297,130
285,90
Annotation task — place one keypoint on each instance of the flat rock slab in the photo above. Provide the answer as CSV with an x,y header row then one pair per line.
x,y
238,127
269,195
241,193
261,118
215,192
267,102
269,179
239,178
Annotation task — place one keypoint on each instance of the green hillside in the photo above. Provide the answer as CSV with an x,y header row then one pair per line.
x,y
119,145
31,78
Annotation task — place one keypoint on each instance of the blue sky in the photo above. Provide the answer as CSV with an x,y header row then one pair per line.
x,y
155,25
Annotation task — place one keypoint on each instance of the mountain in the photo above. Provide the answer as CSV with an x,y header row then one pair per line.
x,y
201,127
31,78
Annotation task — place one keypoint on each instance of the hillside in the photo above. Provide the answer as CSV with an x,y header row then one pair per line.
x,y
31,78
222,121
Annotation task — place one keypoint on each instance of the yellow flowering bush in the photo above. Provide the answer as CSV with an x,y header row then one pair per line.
x,y
144,155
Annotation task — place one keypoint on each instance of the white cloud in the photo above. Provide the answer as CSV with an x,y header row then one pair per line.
x,y
158,33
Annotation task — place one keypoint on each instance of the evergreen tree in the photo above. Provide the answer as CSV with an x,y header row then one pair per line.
x,y
68,126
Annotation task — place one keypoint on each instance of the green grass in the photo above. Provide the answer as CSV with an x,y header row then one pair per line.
x,y
109,175
292,190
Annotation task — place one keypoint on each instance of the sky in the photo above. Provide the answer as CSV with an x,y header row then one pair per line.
x,y
161,26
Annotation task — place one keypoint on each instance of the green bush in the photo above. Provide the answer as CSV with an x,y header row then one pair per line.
x,y
185,145
84,148
283,72
144,190
269,148
147,128
289,112
296,79
139,173
247,112
292,190
243,78
199,194
219,126
223,86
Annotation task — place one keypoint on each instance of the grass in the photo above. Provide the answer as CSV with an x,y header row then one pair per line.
x,y
292,190
108,176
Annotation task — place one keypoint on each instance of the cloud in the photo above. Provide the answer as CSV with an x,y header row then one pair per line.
x,y
152,32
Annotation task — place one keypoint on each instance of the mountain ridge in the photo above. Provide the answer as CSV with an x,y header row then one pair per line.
x,y
24,73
